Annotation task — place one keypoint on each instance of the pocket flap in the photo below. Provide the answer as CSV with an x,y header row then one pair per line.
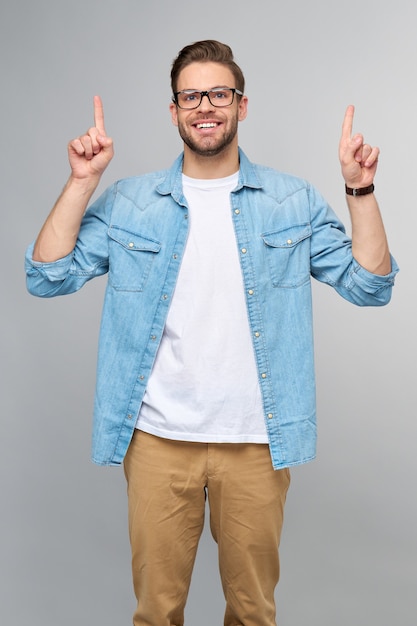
x,y
287,237
133,241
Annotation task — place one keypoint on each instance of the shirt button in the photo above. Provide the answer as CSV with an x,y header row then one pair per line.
x,y
165,297
237,211
263,375
270,416
257,334
289,241
141,377
175,256
153,337
251,292
244,251
131,244
130,416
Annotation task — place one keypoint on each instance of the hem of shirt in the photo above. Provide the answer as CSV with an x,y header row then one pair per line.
x,y
201,437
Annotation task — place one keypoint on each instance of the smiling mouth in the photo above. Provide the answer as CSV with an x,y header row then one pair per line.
x,y
206,125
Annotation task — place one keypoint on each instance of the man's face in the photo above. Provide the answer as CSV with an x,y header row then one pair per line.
x,y
208,130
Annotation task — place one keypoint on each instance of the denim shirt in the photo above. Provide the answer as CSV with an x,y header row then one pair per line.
x,y
285,233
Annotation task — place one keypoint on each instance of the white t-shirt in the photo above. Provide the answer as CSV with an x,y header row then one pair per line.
x,y
204,383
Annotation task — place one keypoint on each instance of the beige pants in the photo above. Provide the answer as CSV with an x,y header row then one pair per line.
x,y
167,486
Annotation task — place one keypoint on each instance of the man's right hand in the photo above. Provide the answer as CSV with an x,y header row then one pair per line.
x,y
90,154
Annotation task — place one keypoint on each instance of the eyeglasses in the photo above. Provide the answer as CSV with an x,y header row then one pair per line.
x,y
218,97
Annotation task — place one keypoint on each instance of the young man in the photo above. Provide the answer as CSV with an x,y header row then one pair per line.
x,y
205,382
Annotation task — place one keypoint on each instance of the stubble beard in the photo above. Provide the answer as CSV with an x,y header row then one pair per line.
x,y
208,146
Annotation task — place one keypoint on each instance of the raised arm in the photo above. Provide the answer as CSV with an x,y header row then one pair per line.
x,y
359,162
88,156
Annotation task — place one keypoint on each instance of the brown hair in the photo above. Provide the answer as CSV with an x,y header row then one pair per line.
x,y
204,52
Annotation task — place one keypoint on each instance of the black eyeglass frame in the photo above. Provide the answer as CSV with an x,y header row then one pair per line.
x,y
206,93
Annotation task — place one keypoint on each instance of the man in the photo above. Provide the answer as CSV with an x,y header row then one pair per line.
x,y
205,382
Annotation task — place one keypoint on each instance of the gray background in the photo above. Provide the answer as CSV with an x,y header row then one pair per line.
x,y
349,544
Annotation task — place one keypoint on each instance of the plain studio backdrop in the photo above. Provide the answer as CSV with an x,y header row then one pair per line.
x,y
349,544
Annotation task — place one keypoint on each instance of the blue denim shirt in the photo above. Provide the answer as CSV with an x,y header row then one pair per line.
x,y
285,233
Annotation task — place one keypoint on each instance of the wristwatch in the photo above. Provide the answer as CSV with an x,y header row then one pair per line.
x,y
361,191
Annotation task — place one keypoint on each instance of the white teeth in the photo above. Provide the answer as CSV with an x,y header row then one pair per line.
x,y
207,125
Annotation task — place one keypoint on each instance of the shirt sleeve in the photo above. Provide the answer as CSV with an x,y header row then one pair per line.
x,y
332,261
89,258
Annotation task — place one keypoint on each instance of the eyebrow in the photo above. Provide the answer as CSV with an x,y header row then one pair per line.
x,y
210,89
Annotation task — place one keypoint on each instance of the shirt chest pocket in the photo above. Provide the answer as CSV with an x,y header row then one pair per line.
x,y
288,254
131,258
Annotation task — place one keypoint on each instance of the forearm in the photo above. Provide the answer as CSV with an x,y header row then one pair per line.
x,y
58,235
369,241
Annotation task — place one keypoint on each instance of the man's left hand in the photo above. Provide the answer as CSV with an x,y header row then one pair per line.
x,y
358,159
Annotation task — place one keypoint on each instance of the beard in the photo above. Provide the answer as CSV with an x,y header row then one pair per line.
x,y
209,146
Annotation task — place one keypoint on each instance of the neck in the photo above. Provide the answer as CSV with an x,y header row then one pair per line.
x,y
218,166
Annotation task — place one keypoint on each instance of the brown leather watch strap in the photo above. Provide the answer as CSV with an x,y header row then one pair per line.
x,y
361,191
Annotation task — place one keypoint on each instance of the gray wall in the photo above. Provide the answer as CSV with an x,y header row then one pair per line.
x,y
349,545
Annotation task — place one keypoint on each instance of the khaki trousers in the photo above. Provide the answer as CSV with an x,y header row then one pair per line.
x,y
167,486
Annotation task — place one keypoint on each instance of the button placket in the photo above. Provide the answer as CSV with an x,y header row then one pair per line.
x,y
255,316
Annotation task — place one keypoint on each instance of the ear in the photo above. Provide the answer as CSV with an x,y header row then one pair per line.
x,y
174,113
243,108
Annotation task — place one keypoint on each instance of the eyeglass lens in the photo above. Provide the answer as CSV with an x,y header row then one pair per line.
x,y
217,97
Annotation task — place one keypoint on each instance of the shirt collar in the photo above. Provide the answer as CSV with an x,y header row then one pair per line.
x,y
172,184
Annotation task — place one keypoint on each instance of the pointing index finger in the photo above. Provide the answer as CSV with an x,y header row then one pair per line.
x,y
348,123
99,115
